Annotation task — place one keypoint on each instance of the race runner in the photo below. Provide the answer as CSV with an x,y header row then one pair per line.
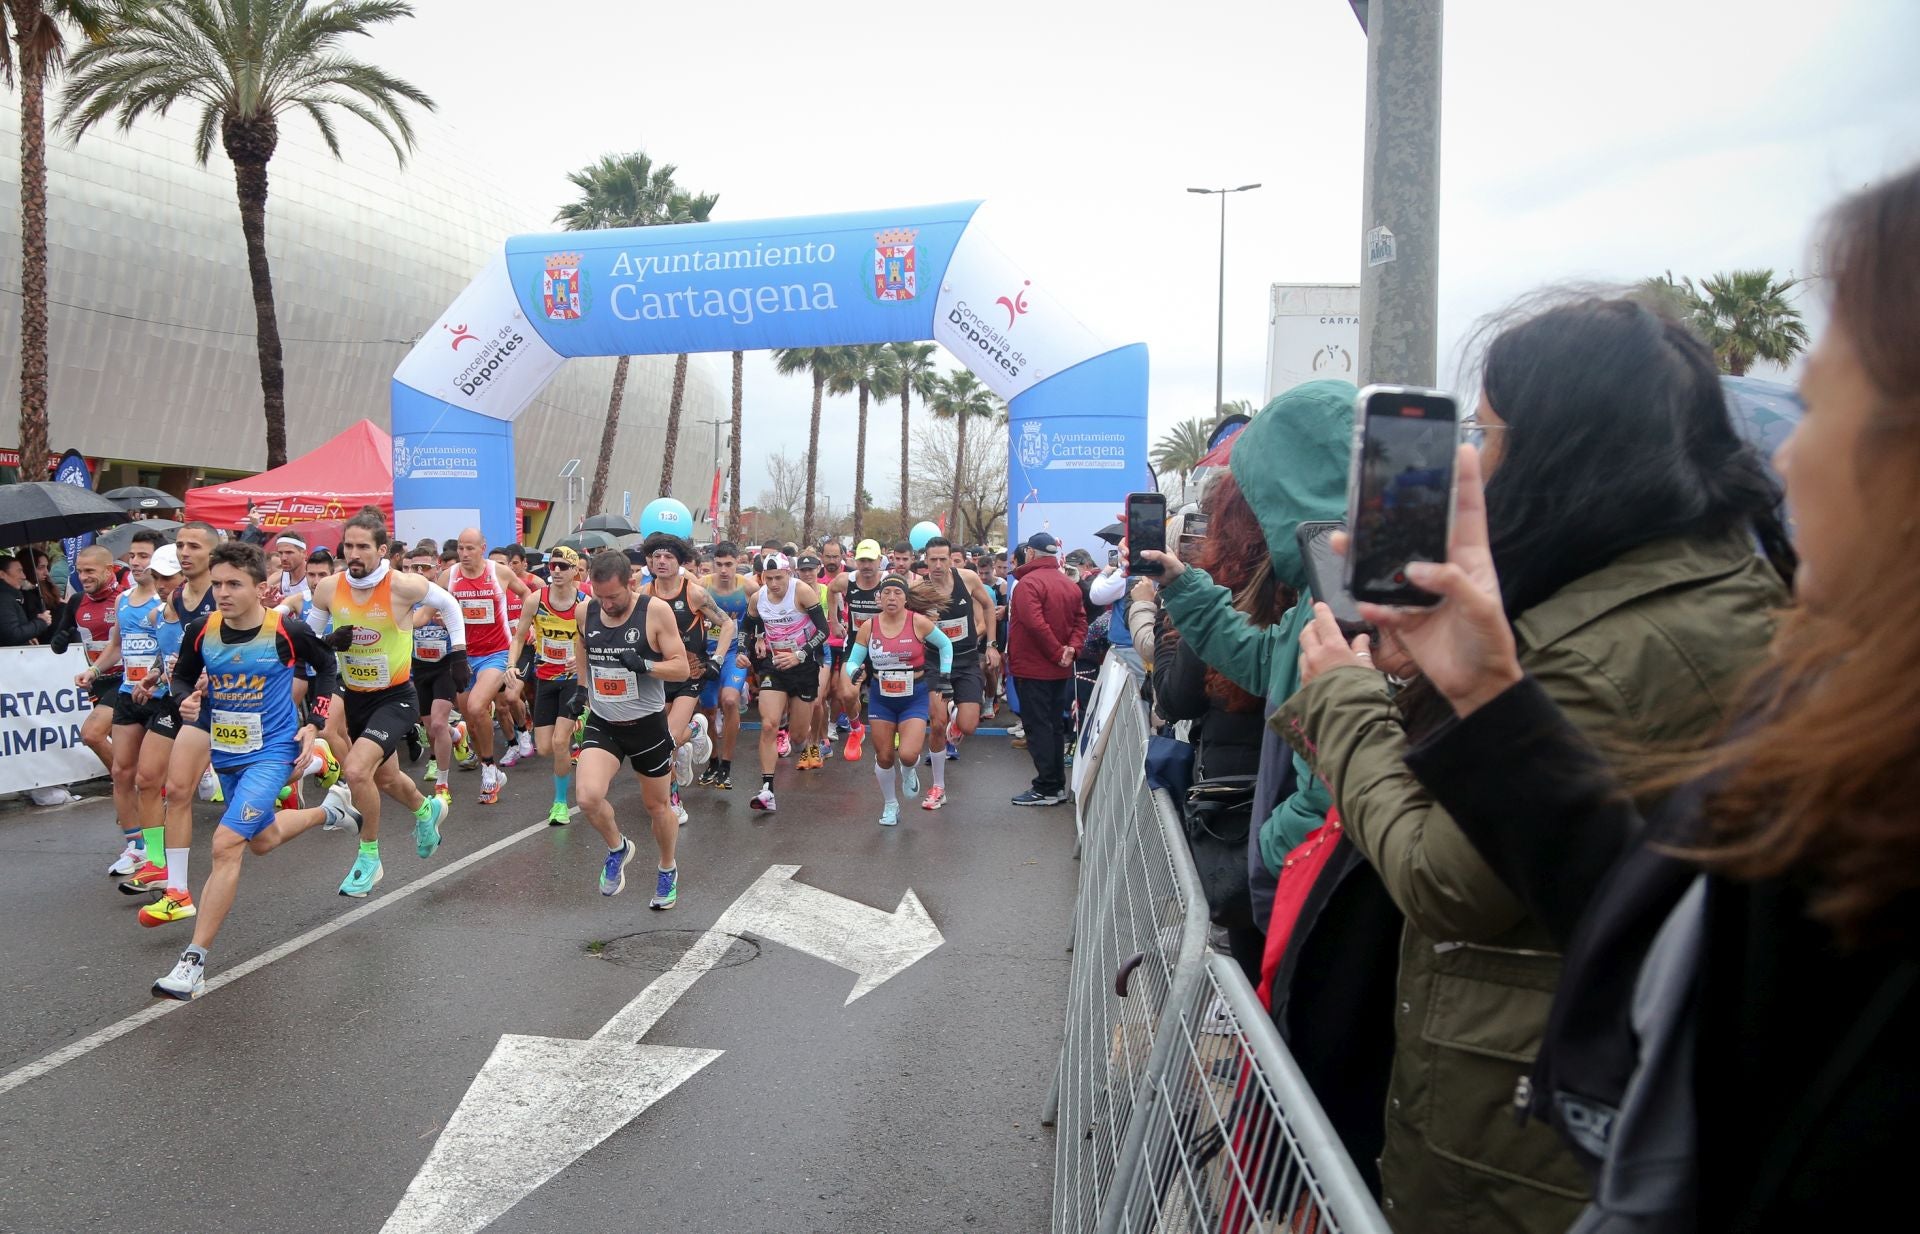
x,y
787,627
88,617
514,724
896,641
814,755
832,560
250,657
432,682
553,623
860,592
693,611
966,618
627,650
157,744
132,651
720,696
288,584
373,612
482,587
900,559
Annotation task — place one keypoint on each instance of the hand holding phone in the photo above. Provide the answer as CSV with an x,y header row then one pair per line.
x,y
1400,491
1326,574
1146,529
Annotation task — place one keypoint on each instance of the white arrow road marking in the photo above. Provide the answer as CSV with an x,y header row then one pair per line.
x,y
541,1103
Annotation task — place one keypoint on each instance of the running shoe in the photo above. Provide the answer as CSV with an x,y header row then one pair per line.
x,y
186,982
558,815
810,759
526,744
490,794
763,800
131,858
330,775
666,889
700,740
679,811
936,797
890,817
433,769
843,724
1034,797
364,877
683,763
416,742
613,877
462,748
340,811
173,906
210,786
953,753
445,795
723,779
783,746
708,775
852,752
512,755
146,880
426,831
910,780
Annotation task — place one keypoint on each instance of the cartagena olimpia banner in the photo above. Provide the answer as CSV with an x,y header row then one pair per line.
x,y
1077,403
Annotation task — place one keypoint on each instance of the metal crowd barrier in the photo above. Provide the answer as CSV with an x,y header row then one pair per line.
x,y
1176,1106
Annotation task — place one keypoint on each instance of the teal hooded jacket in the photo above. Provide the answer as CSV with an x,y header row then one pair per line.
x,y
1291,465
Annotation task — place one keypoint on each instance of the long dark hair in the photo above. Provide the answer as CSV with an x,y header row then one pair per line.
x,y
1618,435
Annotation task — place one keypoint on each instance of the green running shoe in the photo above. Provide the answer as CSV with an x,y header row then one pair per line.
x,y
666,889
426,831
433,769
557,817
365,875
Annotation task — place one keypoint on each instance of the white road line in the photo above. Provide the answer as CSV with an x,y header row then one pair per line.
x,y
112,1032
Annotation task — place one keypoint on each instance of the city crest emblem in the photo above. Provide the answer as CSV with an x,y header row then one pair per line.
x,y
402,458
563,288
1035,450
895,278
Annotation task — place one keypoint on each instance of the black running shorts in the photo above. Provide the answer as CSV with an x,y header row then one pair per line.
x,y
645,742
126,711
382,716
546,701
801,682
432,682
969,685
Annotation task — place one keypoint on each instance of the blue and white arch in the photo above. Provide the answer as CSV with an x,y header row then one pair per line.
x,y
1077,405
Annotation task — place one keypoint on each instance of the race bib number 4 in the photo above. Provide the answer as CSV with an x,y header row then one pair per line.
x,y
896,684
237,732
365,670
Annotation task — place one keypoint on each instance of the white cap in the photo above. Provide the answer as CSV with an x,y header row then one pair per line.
x,y
166,560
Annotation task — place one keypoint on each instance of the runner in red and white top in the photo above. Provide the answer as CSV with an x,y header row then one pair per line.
x,y
88,619
482,587
511,710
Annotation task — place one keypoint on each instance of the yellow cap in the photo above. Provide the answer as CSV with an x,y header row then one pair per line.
x,y
561,552
867,550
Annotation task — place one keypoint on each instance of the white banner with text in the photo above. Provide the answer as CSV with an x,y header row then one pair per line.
x,y
41,711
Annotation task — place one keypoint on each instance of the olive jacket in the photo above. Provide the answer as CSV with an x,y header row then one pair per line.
x,y
1646,652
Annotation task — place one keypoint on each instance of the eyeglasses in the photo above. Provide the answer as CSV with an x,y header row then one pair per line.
x,y
1474,430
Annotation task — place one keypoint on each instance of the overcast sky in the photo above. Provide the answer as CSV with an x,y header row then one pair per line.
x,y
1581,141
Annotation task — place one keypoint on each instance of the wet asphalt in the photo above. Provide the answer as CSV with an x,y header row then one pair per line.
x,y
305,1095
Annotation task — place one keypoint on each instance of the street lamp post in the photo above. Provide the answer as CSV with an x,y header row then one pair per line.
x,y
1220,340
716,423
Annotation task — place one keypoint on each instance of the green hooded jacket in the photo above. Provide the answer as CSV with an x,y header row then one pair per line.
x,y
1291,465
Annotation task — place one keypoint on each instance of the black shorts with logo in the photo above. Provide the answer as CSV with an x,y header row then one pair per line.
x,y
645,742
685,689
546,701
104,690
801,682
382,716
432,682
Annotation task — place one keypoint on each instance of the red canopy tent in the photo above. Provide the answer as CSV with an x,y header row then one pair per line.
x,y
328,483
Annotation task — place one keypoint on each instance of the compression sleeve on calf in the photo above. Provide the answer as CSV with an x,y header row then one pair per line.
x,y
856,656
441,601
938,640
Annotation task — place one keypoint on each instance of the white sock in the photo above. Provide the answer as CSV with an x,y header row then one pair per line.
x,y
177,869
940,769
885,776
317,767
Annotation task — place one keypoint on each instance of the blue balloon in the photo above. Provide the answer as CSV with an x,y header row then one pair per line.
x,y
921,533
666,514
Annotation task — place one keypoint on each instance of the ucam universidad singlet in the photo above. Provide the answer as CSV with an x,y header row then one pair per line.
x,y
249,696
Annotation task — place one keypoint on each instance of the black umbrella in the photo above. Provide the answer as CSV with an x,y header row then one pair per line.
x,y
610,523
1112,533
46,511
120,539
588,542
136,497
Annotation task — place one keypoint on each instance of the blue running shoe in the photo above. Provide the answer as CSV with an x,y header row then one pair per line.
x,y
890,817
613,879
666,890
953,753
366,873
426,831
911,781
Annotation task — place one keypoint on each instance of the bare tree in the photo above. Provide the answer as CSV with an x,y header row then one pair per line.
x,y
981,502
785,493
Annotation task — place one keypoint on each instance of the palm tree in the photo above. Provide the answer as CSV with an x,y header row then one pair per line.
x,y
244,64
629,190
960,396
911,371
1181,450
1235,407
36,26
817,362
1744,316
733,444
864,368
1670,297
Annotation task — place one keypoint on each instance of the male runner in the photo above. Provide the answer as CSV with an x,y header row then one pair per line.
x,y
514,723
249,657
156,745
289,582
788,627
900,559
860,592
966,618
693,611
88,616
133,649
432,680
552,621
373,612
482,587
814,755
720,696
627,650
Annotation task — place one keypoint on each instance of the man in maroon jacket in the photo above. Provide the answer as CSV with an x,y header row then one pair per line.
x,y
1048,626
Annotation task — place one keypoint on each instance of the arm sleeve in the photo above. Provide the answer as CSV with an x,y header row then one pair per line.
x,y
937,639
1220,634
1108,588
309,650
856,656
441,601
188,665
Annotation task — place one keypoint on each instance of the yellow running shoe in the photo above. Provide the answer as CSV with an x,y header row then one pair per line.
x,y
173,906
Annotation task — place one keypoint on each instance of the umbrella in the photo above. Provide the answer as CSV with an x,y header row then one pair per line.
x,y
612,523
48,511
136,497
120,539
1112,533
588,541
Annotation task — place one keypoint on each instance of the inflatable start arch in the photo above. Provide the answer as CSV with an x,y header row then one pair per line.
x,y
1077,405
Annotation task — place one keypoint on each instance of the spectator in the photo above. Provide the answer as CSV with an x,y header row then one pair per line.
x,y
251,532
18,627
1732,1045
1049,626
1625,511
50,586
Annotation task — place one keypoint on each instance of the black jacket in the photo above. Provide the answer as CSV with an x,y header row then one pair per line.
x,y
1806,1081
1225,743
17,626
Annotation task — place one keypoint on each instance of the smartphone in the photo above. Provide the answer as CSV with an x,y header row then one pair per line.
x,y
1399,490
1146,528
1326,574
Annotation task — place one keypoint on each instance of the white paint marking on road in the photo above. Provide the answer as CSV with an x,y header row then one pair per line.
x,y
112,1032
541,1103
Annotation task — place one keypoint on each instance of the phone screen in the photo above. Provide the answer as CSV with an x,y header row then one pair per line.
x,y
1146,528
1401,503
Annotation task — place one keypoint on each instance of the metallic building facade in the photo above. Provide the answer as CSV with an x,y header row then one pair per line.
x,y
151,326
